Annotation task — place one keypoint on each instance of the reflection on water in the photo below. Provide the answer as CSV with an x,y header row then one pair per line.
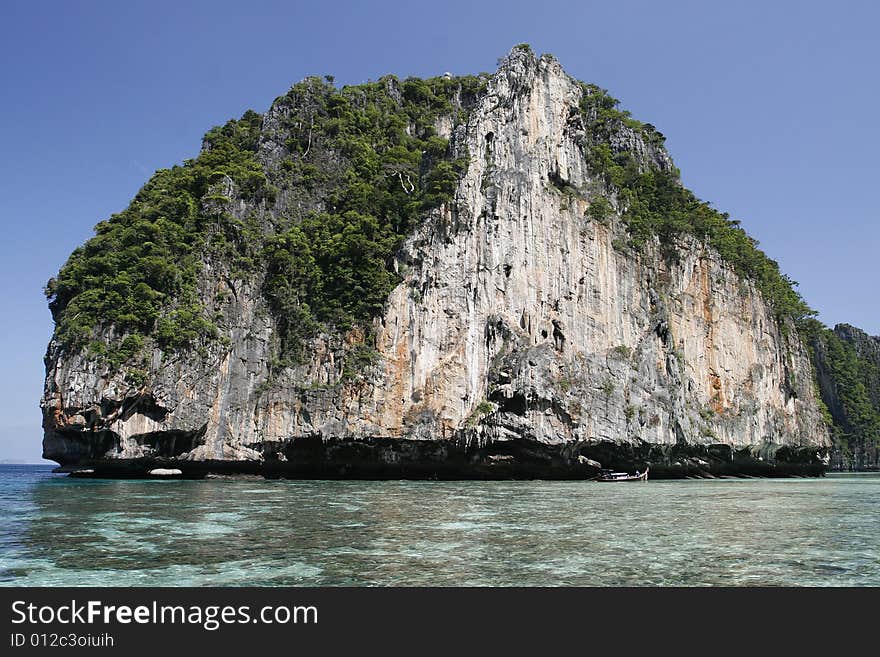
x,y
60,531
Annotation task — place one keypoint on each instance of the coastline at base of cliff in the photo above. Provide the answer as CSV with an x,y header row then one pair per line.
x,y
400,458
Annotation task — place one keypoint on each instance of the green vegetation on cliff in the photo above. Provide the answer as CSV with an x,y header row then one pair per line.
x,y
369,155
847,365
655,202
334,268
139,273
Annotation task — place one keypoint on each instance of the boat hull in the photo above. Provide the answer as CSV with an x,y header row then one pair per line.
x,y
639,476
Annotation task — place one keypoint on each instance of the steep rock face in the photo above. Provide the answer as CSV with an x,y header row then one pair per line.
x,y
847,363
525,339
867,347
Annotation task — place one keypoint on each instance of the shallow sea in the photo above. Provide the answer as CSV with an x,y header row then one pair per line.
x,y
56,531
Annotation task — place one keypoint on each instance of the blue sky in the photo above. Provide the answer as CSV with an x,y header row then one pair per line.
x,y
769,109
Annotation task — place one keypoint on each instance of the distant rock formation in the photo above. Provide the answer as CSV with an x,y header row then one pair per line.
x,y
847,363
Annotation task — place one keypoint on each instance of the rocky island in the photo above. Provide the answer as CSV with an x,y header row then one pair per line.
x,y
492,276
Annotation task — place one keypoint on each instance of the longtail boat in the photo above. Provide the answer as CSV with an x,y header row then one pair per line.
x,y
607,475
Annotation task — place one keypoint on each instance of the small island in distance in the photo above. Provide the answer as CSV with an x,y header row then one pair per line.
x,y
492,276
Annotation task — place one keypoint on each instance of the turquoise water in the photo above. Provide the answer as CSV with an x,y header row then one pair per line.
x,y
60,531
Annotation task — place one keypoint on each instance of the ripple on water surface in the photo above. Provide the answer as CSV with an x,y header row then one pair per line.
x,y
60,531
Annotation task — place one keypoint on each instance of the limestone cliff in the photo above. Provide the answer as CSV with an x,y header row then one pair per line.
x,y
524,337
